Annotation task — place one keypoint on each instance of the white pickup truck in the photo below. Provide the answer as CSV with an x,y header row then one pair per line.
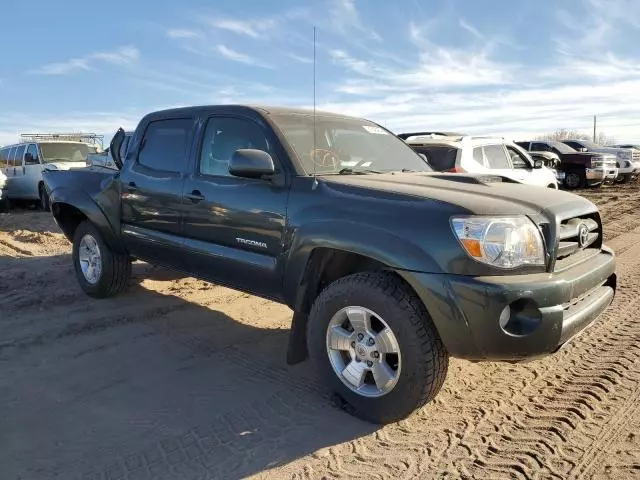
x,y
628,159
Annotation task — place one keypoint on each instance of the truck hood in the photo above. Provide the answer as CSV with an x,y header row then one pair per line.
x,y
479,194
64,165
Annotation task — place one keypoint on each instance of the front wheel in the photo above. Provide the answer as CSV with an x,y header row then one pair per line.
x,y
371,340
100,271
574,179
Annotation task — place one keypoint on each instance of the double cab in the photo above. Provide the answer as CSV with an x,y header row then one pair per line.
x,y
389,267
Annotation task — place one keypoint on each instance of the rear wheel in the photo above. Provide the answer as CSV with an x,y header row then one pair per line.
x,y
372,341
100,271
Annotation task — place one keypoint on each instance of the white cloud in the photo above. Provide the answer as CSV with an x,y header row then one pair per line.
x,y
299,58
595,27
345,18
183,33
250,28
121,56
236,56
470,28
63,68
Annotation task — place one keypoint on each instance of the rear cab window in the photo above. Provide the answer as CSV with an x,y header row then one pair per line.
x,y
165,145
440,157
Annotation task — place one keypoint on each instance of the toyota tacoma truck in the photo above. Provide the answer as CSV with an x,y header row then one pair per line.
x,y
389,267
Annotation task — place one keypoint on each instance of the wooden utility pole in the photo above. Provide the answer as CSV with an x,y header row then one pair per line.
x,y
594,129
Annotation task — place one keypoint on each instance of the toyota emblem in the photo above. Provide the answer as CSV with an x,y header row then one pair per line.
x,y
583,235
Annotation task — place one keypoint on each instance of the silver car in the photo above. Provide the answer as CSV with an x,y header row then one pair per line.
x,y
23,163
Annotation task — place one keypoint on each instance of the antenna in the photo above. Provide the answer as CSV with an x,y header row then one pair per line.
x,y
315,180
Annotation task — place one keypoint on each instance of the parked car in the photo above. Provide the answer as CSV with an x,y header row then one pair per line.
x,y
636,158
579,169
453,152
104,160
23,164
628,160
390,268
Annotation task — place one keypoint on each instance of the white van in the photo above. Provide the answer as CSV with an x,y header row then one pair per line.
x,y
23,163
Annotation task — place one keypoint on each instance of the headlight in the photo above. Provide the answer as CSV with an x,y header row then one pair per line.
x,y
504,242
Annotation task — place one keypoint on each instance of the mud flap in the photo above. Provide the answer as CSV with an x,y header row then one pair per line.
x,y
297,349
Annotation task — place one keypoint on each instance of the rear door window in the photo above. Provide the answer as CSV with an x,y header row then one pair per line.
x,y
165,145
496,157
17,161
478,156
440,157
4,158
12,155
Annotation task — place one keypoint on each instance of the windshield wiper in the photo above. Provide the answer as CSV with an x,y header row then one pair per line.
x,y
351,171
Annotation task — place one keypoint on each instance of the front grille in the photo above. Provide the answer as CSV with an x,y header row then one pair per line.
x,y
577,239
636,155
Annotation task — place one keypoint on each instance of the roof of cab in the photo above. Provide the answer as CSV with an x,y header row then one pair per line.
x,y
262,109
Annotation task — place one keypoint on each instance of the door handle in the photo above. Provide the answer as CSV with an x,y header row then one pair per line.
x,y
132,187
195,196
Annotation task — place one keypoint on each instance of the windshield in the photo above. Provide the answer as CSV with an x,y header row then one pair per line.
x,y
343,144
562,147
65,152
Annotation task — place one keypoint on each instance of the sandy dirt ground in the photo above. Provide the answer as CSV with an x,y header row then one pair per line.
x,y
179,378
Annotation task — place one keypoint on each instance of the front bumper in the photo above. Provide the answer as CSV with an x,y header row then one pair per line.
x,y
601,174
546,310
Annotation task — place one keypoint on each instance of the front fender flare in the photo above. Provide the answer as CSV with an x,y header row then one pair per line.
x,y
372,242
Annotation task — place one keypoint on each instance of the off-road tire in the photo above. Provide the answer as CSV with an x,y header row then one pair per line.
x,y
116,267
45,204
424,361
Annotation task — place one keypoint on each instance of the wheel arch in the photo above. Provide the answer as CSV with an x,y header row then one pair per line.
x,y
324,266
71,206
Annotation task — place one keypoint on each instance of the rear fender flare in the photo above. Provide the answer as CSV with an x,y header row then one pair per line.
x,y
84,203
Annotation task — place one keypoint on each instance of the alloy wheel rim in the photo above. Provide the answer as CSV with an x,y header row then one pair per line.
x,y
363,351
90,259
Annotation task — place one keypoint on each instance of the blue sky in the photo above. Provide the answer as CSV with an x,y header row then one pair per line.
x,y
516,68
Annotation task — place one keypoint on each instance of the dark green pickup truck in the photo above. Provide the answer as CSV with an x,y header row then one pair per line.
x,y
389,267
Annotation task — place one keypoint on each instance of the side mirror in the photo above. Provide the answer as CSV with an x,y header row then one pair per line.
x,y
250,163
538,164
